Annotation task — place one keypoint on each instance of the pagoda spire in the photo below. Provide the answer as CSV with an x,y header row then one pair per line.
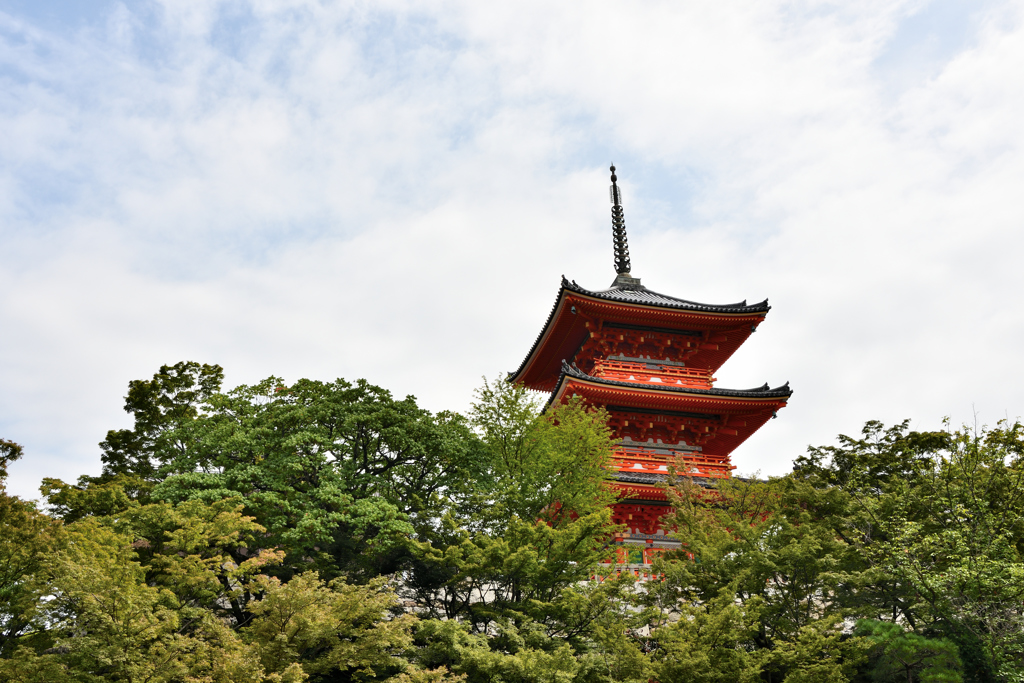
x,y
622,265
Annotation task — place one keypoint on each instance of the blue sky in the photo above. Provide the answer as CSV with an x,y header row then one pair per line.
x,y
391,190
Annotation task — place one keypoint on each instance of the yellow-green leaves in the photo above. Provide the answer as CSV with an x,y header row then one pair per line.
x,y
28,542
336,627
549,465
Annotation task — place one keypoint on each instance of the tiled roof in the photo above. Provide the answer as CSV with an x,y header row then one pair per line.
x,y
640,477
652,479
638,294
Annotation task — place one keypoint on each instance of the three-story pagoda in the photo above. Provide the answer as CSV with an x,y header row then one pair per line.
x,y
649,359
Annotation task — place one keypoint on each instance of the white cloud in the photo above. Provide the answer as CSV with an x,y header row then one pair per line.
x,y
392,191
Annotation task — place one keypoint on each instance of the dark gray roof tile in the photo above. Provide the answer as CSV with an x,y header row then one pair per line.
x,y
641,295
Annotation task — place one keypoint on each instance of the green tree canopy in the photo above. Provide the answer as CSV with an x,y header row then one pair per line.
x,y
337,473
326,531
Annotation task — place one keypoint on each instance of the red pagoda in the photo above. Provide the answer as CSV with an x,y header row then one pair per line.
x,y
649,359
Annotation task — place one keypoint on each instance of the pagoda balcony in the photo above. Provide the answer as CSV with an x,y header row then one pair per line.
x,y
653,372
638,459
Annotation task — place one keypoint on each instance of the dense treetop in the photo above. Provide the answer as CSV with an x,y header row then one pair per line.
x,y
327,531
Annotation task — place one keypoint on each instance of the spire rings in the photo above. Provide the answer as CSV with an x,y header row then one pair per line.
x,y
622,265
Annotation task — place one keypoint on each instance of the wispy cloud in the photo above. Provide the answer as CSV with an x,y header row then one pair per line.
x,y
391,190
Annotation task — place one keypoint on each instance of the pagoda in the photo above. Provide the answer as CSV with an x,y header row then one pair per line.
x,y
649,359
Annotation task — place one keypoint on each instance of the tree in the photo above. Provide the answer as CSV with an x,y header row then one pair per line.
x,y
709,643
161,407
94,496
208,554
337,473
329,628
9,452
154,594
939,517
330,532
546,462
767,543
902,655
106,623
27,539
520,566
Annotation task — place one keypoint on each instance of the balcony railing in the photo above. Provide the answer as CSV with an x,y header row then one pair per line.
x,y
653,373
638,459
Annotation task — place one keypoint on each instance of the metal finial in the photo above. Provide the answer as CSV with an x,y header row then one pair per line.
x,y
619,229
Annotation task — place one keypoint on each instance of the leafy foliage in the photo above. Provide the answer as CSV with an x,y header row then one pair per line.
x,y
336,473
904,655
326,531
27,539
9,452
161,407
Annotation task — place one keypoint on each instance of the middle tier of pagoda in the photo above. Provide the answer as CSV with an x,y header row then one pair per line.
x,y
695,427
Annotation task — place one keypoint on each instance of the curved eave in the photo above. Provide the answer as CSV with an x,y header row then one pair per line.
x,y
740,412
544,333
762,393
557,340
646,297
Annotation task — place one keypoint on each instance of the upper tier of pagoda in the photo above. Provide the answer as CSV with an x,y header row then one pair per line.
x,y
629,321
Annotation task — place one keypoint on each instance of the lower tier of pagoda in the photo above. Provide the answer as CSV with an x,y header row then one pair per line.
x,y
643,535
642,519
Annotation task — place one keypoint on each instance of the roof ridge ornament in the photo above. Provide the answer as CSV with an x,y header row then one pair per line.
x,y
623,278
